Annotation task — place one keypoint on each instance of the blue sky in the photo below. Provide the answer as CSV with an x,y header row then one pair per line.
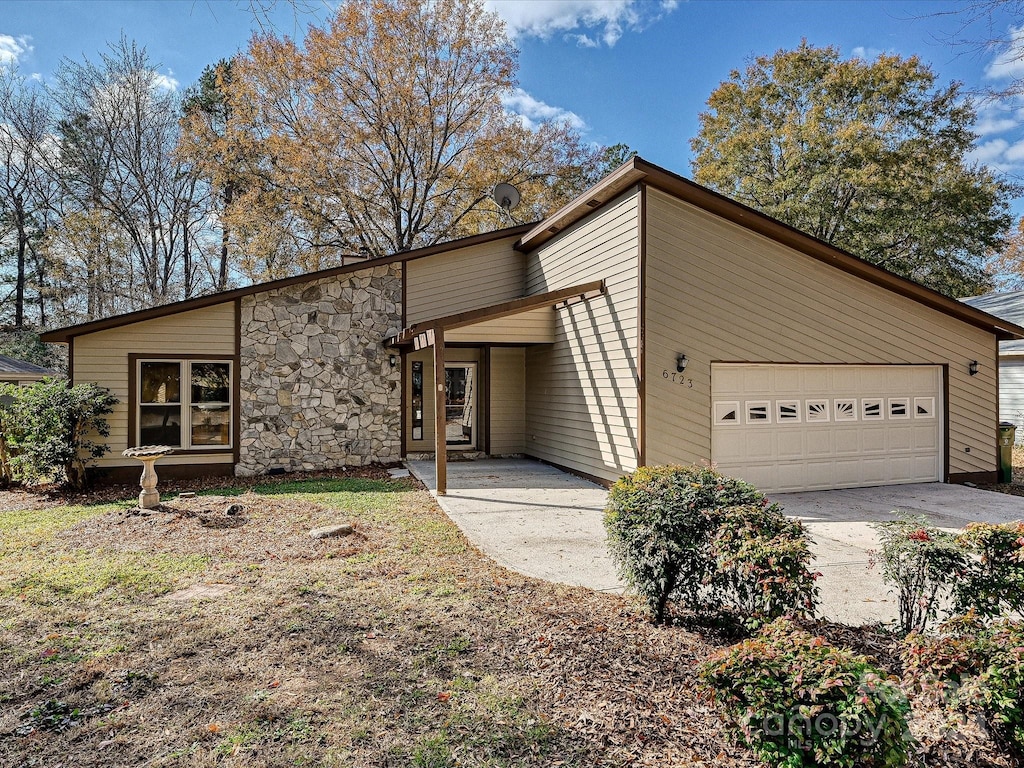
x,y
633,71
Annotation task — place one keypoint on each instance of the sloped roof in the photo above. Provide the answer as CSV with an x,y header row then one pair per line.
x,y
9,365
63,335
531,236
639,171
1008,305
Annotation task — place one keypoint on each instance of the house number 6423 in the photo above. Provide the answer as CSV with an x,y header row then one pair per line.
x,y
678,378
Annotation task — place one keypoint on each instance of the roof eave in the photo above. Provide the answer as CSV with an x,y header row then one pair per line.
x,y
639,171
64,335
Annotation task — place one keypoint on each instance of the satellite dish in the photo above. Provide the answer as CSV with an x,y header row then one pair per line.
x,y
506,196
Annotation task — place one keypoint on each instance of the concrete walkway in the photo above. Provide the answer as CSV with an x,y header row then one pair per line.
x,y
545,523
840,524
529,517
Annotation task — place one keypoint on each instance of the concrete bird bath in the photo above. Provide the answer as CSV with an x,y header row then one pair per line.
x,y
148,455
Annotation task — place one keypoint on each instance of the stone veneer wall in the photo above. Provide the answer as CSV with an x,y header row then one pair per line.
x,y
317,386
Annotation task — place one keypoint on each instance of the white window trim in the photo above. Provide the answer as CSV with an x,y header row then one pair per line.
x,y
185,372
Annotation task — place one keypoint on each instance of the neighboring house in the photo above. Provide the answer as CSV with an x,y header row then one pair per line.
x,y
649,321
15,371
1009,306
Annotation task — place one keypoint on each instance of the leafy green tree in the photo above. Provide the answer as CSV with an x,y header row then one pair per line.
x,y
24,344
870,156
49,430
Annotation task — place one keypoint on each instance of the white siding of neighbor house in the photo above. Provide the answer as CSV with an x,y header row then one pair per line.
x,y
467,278
721,293
581,396
1011,392
508,400
102,357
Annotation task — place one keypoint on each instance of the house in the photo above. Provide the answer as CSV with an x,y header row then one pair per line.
x,y
649,321
15,371
1010,307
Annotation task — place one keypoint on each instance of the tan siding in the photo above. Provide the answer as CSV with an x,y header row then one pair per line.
x,y
102,357
469,278
581,402
508,400
534,327
719,292
452,355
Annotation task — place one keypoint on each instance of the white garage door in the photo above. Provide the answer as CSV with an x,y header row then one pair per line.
x,y
810,427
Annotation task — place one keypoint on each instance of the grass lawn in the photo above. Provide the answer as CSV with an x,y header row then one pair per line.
x,y
399,645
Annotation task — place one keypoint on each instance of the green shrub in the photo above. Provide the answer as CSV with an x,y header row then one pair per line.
x,y
794,700
922,562
48,430
762,560
974,669
692,536
993,582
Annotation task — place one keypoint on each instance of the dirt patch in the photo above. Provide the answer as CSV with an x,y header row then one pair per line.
x,y
250,527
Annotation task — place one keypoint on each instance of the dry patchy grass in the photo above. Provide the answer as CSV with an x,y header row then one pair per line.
x,y
399,645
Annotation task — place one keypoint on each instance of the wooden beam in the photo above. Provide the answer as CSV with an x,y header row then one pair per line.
x,y
440,416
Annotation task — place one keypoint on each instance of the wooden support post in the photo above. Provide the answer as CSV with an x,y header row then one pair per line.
x,y
440,415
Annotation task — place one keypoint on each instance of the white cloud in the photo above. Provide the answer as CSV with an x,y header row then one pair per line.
x,y
1009,62
1015,152
165,82
865,53
533,111
605,20
989,152
13,48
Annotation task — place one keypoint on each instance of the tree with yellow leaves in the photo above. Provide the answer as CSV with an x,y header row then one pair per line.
x,y
382,132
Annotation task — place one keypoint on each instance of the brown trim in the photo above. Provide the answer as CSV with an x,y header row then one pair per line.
x,y
982,478
130,475
998,420
200,302
497,311
641,335
236,387
570,471
945,424
639,170
833,364
133,389
71,360
483,400
404,393
440,422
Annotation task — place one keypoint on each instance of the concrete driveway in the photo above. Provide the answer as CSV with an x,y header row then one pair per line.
x,y
840,524
545,523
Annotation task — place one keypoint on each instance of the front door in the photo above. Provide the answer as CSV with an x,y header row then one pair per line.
x,y
460,382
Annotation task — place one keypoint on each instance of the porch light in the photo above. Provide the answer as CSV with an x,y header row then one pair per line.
x,y
392,359
972,367
681,362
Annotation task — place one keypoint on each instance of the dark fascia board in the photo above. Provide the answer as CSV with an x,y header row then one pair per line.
x,y
639,171
63,335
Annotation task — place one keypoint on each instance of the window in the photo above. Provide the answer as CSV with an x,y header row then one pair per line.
x,y
184,403
872,409
788,410
846,410
417,400
817,410
899,407
758,412
727,412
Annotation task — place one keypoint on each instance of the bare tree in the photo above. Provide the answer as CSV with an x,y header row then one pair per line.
x,y
25,140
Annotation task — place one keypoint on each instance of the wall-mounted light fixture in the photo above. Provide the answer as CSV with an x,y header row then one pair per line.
x,y
393,359
972,367
681,362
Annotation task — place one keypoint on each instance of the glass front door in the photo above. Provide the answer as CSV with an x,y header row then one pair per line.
x,y
460,383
